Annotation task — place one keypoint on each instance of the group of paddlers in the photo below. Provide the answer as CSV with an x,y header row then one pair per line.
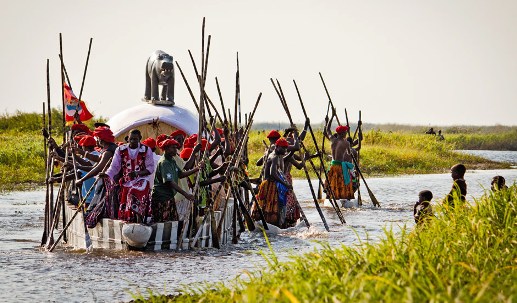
x,y
137,183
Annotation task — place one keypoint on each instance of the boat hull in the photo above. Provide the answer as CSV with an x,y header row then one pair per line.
x,y
107,234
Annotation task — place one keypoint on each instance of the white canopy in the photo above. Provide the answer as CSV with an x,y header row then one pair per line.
x,y
153,120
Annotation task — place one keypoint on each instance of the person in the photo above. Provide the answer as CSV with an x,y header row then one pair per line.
x,y
498,183
341,168
272,192
103,190
430,131
87,143
179,136
151,143
440,137
459,186
422,210
168,173
132,166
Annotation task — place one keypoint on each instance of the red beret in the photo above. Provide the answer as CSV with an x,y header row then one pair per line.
x,y
186,153
149,142
81,128
273,134
190,141
204,144
178,132
282,142
87,141
104,133
79,137
341,129
161,138
168,142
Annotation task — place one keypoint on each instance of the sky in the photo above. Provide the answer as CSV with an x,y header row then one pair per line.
x,y
443,62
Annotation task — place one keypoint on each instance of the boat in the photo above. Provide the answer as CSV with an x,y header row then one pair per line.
x,y
151,120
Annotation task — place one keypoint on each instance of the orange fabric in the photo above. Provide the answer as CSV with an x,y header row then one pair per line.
x,y
337,184
267,198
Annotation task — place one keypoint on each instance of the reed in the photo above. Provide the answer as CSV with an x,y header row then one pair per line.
x,y
463,255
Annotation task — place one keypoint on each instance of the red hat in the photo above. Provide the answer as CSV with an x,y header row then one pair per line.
x,y
104,133
190,142
81,128
273,134
168,142
204,144
341,129
178,132
220,131
87,141
149,142
282,142
79,137
161,138
186,153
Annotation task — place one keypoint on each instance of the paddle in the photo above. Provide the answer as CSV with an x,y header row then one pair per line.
x,y
316,203
331,193
79,207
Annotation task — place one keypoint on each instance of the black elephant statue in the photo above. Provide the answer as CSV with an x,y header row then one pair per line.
x,y
159,70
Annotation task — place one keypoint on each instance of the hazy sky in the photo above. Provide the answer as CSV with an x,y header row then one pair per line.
x,y
413,62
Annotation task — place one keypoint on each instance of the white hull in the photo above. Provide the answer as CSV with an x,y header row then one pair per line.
x,y
107,234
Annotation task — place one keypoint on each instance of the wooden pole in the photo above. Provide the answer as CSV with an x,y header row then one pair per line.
x,y
62,88
188,87
84,73
330,99
329,190
221,99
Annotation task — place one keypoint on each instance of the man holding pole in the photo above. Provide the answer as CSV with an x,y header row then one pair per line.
x,y
341,168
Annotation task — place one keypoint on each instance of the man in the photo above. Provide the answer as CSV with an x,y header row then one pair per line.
x,y
272,193
179,136
459,186
341,168
168,174
134,163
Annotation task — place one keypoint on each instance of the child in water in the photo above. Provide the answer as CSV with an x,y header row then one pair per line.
x,y
423,210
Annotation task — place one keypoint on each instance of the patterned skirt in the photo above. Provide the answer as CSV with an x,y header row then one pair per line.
x,y
267,198
135,202
337,184
164,211
292,212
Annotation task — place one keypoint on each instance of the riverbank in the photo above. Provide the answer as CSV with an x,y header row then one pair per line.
x,y
465,254
384,153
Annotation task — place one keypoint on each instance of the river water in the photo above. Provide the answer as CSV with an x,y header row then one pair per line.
x,y
30,274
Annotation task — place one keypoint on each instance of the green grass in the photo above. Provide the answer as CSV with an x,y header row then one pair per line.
x,y
468,254
22,164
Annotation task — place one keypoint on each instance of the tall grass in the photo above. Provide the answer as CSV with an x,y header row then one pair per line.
x,y
467,254
22,164
494,141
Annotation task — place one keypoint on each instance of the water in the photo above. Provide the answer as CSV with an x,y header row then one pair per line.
x,y
496,155
30,274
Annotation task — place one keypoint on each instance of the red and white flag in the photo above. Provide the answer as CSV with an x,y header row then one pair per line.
x,y
74,106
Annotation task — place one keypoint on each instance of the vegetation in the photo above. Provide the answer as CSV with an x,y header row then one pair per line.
x,y
383,153
22,156
466,254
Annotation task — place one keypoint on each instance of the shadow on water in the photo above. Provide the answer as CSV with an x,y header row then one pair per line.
x,y
31,274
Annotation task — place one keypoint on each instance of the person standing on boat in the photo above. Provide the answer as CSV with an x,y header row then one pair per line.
x,y
106,141
459,186
133,163
272,192
168,173
341,168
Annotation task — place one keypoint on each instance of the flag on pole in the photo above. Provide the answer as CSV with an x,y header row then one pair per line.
x,y
74,106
